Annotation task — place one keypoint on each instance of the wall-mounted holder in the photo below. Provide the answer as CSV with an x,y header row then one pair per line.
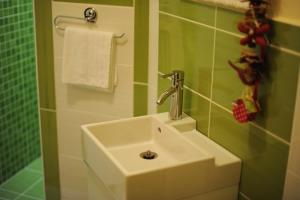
x,y
89,16
235,5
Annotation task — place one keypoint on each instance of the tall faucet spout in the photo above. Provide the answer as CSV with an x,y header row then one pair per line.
x,y
162,98
176,94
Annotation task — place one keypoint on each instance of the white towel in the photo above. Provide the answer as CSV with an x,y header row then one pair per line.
x,y
88,58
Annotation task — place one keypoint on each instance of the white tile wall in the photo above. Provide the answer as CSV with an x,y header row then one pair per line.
x,y
153,55
292,182
73,178
292,187
77,106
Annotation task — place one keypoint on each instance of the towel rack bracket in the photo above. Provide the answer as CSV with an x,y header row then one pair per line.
x,y
90,15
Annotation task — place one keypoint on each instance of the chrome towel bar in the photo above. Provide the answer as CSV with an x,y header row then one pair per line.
x,y
90,16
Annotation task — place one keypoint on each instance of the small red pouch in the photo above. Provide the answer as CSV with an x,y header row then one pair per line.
x,y
241,113
245,109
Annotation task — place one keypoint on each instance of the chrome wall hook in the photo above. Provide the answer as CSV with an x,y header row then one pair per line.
x,y
90,15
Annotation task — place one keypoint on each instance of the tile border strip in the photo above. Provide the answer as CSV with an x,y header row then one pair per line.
x,y
141,83
212,71
283,49
244,196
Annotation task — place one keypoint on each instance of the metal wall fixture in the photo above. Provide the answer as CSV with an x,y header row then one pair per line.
x,y
90,16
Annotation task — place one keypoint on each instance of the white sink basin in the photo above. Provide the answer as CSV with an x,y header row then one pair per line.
x,y
187,163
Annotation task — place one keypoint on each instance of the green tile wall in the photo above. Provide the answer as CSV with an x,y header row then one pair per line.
x,y
200,39
140,99
45,66
19,126
50,154
141,40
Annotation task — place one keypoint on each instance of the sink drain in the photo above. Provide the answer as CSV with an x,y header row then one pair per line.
x,y
148,155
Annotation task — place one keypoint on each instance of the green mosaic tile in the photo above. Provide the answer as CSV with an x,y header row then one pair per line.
x,y
19,127
190,10
107,2
188,47
264,158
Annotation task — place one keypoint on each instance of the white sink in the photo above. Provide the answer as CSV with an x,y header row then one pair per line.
x,y
187,163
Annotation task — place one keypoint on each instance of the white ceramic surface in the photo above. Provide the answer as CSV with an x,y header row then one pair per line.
x,y
188,163
76,106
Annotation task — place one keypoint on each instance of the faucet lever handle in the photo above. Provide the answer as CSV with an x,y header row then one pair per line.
x,y
176,75
167,75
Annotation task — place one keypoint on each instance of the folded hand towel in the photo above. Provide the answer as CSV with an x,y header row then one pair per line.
x,y
88,58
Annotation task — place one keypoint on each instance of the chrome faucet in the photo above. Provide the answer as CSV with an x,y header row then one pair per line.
x,y
176,93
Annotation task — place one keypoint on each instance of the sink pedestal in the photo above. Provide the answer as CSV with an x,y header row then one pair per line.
x,y
98,191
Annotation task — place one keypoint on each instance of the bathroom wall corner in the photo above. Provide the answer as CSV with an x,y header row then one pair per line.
x,y
45,74
50,154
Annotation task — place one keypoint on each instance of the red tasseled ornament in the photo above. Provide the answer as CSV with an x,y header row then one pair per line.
x,y
255,35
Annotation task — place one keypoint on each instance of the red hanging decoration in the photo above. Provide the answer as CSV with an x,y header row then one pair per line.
x,y
255,25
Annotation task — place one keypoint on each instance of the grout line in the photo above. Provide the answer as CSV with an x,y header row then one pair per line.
x,y
245,196
185,19
197,93
289,51
34,171
222,107
255,125
19,172
32,197
10,191
210,100
293,173
71,157
140,83
29,188
283,49
229,33
47,110
270,133
212,72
